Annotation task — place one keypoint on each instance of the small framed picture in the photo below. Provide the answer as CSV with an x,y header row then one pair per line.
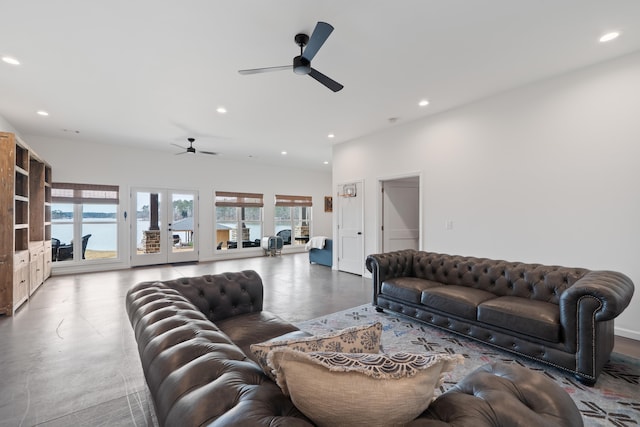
x,y
328,204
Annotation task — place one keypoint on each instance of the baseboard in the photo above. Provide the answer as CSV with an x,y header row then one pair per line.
x,y
627,333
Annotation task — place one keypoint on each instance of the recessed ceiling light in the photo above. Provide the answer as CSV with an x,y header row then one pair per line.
x,y
331,135
609,36
326,162
43,113
10,60
221,110
284,153
423,103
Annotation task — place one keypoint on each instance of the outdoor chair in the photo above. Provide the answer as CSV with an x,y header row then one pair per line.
x,y
55,244
285,235
65,252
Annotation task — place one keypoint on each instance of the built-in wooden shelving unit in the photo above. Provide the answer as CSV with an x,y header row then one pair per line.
x,y
25,223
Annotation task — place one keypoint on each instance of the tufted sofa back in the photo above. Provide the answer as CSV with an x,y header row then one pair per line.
x,y
503,278
234,293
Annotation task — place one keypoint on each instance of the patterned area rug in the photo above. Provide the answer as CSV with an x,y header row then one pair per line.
x,y
613,401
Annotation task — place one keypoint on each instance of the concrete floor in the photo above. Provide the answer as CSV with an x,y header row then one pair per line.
x,y
69,357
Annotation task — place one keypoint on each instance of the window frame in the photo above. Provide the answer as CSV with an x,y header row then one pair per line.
x,y
297,221
239,201
80,195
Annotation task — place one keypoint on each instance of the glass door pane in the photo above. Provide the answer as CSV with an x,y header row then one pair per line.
x,y
182,226
148,236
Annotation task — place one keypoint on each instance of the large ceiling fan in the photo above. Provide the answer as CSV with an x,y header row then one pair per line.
x,y
191,148
302,62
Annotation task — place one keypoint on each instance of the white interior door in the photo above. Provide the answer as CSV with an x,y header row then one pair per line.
x,y
400,214
163,226
350,228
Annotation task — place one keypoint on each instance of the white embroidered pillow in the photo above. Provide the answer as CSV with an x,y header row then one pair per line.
x,y
360,389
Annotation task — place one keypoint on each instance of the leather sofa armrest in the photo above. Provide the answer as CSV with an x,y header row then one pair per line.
x,y
589,306
612,290
388,266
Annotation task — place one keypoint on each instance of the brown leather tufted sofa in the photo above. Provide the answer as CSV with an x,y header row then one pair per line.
x,y
194,334
556,315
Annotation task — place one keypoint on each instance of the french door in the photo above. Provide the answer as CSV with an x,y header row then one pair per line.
x,y
164,226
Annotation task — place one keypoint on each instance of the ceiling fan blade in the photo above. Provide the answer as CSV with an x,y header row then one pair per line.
x,y
179,146
265,70
317,39
208,152
328,82
184,152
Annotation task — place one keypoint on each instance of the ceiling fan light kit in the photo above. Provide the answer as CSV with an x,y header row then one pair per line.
x,y
191,149
309,47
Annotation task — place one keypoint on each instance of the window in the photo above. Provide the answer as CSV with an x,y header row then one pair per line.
x,y
84,216
238,220
293,219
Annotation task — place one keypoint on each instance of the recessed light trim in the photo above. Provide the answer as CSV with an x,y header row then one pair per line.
x,y
221,110
42,113
326,162
284,153
10,60
423,103
331,135
609,36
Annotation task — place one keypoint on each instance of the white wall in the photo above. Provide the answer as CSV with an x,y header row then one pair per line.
x,y
5,126
546,173
89,163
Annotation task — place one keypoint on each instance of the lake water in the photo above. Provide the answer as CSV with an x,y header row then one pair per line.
x,y
104,237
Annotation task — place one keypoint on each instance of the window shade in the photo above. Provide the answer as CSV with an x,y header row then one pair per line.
x,y
283,200
64,192
242,200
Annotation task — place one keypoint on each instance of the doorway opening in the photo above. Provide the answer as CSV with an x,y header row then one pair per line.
x,y
400,215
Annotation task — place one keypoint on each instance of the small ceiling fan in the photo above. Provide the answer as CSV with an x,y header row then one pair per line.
x,y
191,148
302,62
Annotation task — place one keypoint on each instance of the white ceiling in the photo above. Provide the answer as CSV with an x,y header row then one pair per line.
x,y
150,73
